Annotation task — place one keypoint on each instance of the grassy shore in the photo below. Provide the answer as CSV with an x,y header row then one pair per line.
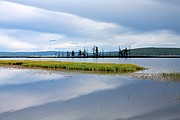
x,y
99,67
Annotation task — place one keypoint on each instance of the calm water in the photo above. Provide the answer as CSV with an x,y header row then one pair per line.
x,y
55,95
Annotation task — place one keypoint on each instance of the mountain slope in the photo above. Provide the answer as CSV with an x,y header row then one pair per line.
x,y
155,51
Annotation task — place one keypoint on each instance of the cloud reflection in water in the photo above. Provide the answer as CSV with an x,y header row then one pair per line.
x,y
23,88
89,97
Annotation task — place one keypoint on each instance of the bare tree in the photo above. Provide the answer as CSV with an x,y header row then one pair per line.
x,y
79,53
84,52
73,53
97,51
68,54
94,49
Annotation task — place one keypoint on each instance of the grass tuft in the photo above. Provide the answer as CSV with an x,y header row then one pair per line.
x,y
165,77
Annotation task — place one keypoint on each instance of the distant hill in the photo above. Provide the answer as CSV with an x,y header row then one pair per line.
x,y
155,51
28,54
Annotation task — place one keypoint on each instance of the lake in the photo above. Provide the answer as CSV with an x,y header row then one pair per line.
x,y
32,94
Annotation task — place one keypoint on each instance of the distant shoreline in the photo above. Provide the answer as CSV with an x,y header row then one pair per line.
x,y
160,56
131,53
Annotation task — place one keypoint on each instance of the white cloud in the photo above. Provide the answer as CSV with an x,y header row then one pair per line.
x,y
11,12
48,21
10,43
12,40
137,14
28,28
163,38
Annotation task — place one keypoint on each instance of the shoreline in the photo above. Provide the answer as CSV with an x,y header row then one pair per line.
x,y
145,56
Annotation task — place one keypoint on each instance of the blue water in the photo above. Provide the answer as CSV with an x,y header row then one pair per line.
x,y
58,95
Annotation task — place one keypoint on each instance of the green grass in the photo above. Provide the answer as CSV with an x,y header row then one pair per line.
x,y
104,67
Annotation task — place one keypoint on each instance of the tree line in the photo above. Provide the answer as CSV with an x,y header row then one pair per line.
x,y
96,53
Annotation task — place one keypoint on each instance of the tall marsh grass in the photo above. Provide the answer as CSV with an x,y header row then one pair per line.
x,y
171,76
104,67
165,77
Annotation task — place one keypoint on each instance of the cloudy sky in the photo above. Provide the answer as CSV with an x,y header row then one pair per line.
x,y
40,25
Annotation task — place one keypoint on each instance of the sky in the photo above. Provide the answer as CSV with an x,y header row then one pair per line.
x,y
43,25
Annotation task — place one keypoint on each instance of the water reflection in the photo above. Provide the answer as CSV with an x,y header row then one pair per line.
x,y
54,95
48,87
131,101
22,76
85,96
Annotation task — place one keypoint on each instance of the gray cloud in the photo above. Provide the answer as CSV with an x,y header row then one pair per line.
x,y
35,19
31,28
140,15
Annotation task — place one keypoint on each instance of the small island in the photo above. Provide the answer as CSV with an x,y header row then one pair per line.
x,y
80,66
